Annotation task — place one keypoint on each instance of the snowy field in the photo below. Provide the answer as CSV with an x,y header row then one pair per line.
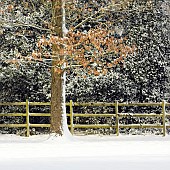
x,y
84,153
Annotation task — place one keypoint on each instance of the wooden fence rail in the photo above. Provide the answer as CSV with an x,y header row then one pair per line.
x,y
72,126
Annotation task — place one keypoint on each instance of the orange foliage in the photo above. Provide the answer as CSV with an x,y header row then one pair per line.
x,y
10,8
87,49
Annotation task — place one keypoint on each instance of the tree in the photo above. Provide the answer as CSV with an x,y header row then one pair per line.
x,y
95,50
72,49
58,112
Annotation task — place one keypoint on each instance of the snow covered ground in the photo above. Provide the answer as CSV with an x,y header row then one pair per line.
x,y
84,153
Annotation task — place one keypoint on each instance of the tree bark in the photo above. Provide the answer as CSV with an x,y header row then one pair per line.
x,y
57,83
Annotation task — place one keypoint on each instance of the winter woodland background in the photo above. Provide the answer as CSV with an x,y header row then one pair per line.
x,y
143,77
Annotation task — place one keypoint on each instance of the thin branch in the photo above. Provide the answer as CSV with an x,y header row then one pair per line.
x,y
33,5
5,23
90,17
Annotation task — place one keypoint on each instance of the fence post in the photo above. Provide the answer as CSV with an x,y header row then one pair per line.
x,y
163,117
117,117
71,117
27,118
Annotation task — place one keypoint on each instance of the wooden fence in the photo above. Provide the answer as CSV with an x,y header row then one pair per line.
x,y
72,126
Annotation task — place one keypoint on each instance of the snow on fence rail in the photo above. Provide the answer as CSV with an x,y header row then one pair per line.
x,y
72,104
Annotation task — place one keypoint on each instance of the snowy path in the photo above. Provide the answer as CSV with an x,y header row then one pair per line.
x,y
85,153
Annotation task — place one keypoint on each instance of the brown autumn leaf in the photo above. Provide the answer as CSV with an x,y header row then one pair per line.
x,y
96,73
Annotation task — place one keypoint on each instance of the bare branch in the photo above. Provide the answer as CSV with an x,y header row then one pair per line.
x,y
7,24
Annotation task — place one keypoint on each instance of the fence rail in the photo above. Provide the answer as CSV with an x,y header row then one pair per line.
x,y
72,126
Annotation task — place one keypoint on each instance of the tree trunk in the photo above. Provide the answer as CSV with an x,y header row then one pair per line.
x,y
58,80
